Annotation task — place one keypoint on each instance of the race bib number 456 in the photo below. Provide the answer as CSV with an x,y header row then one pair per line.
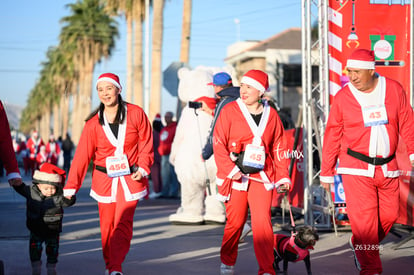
x,y
117,166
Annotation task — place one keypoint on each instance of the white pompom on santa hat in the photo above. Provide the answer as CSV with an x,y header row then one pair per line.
x,y
50,174
361,59
257,79
111,78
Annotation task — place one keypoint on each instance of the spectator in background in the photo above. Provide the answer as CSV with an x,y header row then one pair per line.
x,y
156,180
24,154
67,148
60,141
53,150
41,157
225,92
33,146
170,185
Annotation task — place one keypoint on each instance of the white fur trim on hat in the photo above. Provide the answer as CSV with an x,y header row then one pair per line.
x,y
360,64
108,79
43,177
253,82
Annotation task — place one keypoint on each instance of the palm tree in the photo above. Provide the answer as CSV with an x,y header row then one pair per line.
x,y
59,67
156,70
134,13
139,15
186,32
185,43
115,7
31,112
93,32
65,77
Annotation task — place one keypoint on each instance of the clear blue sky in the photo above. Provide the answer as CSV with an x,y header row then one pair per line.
x,y
30,27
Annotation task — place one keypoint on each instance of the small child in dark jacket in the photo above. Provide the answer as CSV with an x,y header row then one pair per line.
x,y
44,213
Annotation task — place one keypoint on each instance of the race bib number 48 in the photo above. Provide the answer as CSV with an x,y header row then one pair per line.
x,y
117,166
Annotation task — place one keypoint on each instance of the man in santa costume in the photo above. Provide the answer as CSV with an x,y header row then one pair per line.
x,y
247,136
117,137
365,121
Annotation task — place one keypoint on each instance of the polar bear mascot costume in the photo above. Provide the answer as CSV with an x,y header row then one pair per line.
x,y
198,202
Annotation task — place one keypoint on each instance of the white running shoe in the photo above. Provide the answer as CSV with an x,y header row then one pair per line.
x,y
226,269
246,230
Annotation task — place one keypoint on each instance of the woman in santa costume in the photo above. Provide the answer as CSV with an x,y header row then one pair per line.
x,y
365,121
247,139
117,137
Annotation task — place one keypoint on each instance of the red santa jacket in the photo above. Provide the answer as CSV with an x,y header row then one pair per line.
x,y
41,158
53,151
34,146
7,155
97,143
345,129
232,133
166,138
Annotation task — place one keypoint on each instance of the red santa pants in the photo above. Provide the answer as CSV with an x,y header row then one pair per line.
x,y
116,229
259,201
372,205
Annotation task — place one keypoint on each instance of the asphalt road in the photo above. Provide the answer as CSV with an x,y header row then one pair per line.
x,y
161,248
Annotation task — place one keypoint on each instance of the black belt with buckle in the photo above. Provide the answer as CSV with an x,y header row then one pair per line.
x,y
374,161
102,169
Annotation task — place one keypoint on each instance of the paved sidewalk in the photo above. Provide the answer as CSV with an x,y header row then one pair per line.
x,y
161,248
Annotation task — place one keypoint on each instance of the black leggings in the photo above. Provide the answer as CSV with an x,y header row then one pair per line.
x,y
36,247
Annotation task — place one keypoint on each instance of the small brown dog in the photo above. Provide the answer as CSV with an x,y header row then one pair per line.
x,y
294,248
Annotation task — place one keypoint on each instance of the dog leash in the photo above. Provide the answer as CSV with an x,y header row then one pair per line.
x,y
277,185
292,220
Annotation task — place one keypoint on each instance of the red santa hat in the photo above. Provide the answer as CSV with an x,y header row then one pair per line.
x,y
361,59
50,174
210,101
111,78
257,79
157,117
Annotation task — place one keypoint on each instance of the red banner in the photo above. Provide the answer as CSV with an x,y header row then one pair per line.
x,y
381,25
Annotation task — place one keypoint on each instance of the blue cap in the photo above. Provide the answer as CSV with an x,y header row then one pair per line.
x,y
221,79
